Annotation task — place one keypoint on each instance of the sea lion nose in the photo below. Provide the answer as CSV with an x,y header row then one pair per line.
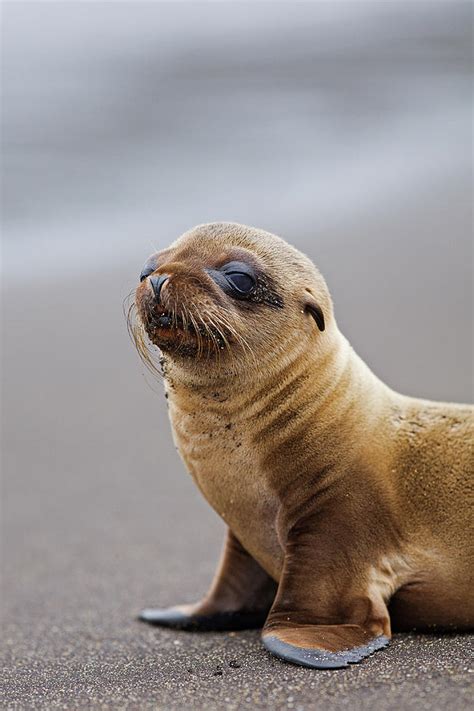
x,y
157,281
149,268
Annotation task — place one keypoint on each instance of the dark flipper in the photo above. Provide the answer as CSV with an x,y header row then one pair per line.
x,y
320,658
239,598
219,621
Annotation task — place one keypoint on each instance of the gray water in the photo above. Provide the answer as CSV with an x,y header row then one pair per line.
x,y
344,127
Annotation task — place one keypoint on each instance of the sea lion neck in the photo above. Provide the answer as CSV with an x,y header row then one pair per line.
x,y
243,383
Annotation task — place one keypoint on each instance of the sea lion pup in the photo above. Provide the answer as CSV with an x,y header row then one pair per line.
x,y
348,505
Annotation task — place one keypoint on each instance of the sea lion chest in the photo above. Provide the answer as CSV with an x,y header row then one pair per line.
x,y
217,449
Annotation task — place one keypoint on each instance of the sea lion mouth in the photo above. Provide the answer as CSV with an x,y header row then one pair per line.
x,y
170,321
181,332
167,327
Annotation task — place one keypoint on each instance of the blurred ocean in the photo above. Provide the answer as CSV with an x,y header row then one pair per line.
x,y
345,127
126,123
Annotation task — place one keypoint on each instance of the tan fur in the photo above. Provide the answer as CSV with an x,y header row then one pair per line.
x,y
352,497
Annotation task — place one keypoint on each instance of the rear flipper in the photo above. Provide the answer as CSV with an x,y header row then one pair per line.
x,y
196,618
239,598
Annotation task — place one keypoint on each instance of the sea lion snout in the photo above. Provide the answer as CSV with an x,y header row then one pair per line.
x,y
178,304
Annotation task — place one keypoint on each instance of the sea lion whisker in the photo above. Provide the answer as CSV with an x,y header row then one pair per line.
x,y
197,331
142,344
238,337
211,340
218,334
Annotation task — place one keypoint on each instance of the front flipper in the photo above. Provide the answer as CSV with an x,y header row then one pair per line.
x,y
239,598
322,646
326,614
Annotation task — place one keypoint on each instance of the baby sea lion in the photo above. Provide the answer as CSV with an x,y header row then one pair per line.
x,y
348,505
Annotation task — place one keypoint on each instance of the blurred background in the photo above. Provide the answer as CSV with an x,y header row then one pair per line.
x,y
344,127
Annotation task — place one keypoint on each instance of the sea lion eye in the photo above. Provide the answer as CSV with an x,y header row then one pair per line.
x,y
240,277
243,283
235,278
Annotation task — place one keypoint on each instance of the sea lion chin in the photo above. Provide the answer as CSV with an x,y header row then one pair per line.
x,y
348,506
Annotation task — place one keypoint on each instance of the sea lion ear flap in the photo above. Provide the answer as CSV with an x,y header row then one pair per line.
x,y
312,307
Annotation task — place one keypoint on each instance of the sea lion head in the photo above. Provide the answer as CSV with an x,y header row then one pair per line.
x,y
226,292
